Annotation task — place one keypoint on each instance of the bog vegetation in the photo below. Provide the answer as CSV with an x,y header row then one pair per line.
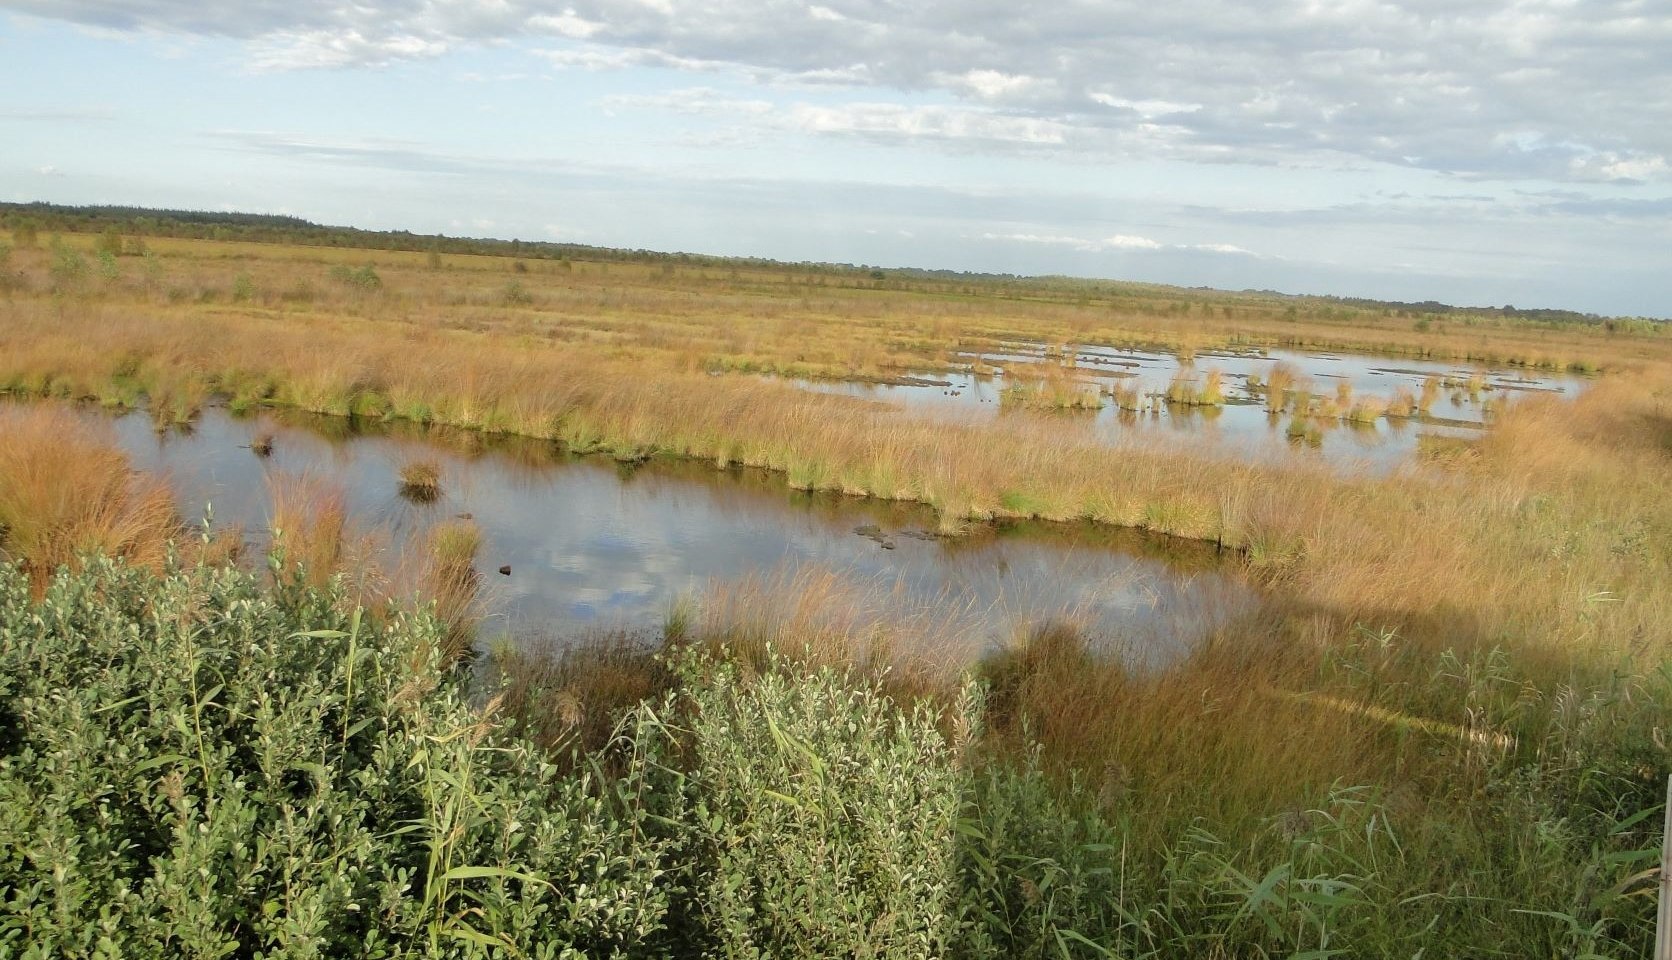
x,y
1442,734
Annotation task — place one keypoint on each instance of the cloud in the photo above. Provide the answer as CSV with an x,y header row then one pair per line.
x,y
879,122
896,122
1147,109
694,100
995,85
1548,89
292,50
1123,242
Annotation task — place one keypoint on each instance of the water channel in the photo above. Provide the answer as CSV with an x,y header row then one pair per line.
x,y
1241,428
593,545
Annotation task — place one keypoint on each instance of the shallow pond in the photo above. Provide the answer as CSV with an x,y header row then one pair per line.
x,y
592,544
1242,427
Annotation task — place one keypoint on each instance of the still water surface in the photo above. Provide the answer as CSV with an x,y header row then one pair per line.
x,y
592,544
1242,428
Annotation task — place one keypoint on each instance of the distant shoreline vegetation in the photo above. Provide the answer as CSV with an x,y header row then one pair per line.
x,y
47,218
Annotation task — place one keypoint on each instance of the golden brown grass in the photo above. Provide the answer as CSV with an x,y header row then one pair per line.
x,y
798,322
573,693
1388,599
66,491
1403,403
1127,395
619,361
1051,386
1278,387
1430,393
310,530
450,580
420,480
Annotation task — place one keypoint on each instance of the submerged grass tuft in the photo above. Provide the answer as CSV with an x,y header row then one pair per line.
x,y
420,480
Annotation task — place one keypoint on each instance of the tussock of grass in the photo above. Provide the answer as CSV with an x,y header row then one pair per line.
x,y
66,491
420,480
450,581
1055,388
1186,391
1282,381
1430,393
1403,403
1366,410
310,531
1127,395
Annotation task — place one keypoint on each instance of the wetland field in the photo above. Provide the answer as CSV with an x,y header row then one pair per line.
x,y
585,603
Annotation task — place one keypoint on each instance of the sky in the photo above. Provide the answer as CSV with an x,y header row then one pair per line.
x,y
1479,152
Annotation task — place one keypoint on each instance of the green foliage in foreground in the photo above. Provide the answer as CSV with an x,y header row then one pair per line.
x,y
184,775
198,765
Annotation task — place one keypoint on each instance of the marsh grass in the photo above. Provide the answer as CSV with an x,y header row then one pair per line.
x,y
1515,589
1185,390
574,692
1282,380
1366,410
1296,749
420,481
66,492
450,581
1207,795
1430,393
1304,429
1403,403
313,541
1055,387
1127,395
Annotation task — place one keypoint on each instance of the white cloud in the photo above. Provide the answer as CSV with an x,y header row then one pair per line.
x,y
1441,86
606,58
1613,166
1148,109
696,100
886,122
1121,242
324,48
566,24
994,84
893,121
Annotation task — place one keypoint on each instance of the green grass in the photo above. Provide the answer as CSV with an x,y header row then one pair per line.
x,y
197,764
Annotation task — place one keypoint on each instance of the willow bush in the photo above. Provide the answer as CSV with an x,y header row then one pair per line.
x,y
196,767
203,762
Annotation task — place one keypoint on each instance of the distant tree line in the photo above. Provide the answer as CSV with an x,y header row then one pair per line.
x,y
46,218
31,219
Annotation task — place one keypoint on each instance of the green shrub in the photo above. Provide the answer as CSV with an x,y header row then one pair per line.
x,y
196,764
516,295
26,234
110,241
69,269
821,815
193,766
109,270
365,278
